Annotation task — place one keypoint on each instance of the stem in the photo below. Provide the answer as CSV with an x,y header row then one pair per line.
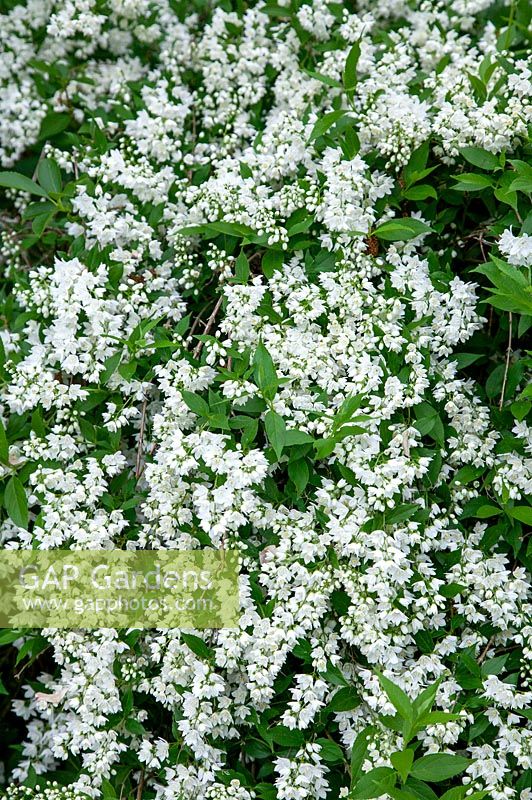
x,y
208,326
140,788
508,356
138,464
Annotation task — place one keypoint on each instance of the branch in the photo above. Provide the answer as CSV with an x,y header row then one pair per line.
x,y
138,464
208,326
508,356
140,788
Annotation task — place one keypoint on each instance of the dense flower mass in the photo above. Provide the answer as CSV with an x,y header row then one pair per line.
x,y
267,288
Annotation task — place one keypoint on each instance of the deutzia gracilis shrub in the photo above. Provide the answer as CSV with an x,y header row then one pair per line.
x,y
267,287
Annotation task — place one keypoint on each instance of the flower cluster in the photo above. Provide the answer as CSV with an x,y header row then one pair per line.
x,y
246,248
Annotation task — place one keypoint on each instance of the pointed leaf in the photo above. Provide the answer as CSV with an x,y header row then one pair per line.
x,y
13,180
16,503
439,767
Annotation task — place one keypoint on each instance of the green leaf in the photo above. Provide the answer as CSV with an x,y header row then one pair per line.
x,y
16,503
507,196
127,370
334,675
459,792
480,158
439,767
330,752
275,430
324,123
519,304
479,87
110,367
346,411
298,472
464,360
350,143
108,790
420,192
135,727
486,511
38,208
401,513
13,180
32,647
416,163
49,175
494,666
196,403
242,268
425,700
323,79
424,641
471,182
521,513
249,433
520,409
219,421
401,229
286,737
373,784
294,437
271,261
40,222
349,77
452,589
402,794
265,374
345,699
52,124
360,748
402,761
521,185
198,646
397,697
324,447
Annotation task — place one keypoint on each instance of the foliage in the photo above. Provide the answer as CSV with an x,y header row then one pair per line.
x,y
267,286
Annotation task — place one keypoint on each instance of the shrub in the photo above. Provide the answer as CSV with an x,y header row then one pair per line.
x,y
267,287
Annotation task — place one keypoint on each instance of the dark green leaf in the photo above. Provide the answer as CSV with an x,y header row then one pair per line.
x,y
13,180
298,472
49,175
439,767
401,230
271,260
521,513
265,374
330,752
471,182
16,503
345,699
324,123
197,645
373,784
286,737
397,697
275,430
480,158
359,751
402,761
349,77
196,403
